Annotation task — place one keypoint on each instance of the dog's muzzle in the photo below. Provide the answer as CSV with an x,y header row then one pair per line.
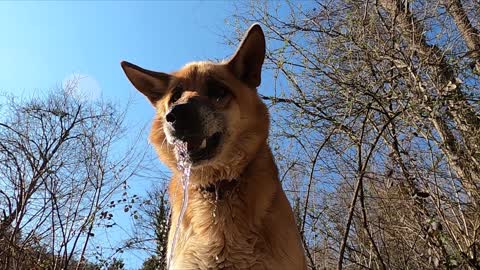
x,y
198,125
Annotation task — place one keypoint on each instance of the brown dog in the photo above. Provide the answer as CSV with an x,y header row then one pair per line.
x,y
238,216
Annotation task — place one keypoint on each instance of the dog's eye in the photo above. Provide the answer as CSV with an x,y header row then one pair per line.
x,y
217,93
177,94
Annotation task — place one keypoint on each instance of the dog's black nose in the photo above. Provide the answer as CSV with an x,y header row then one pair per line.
x,y
184,119
170,117
180,113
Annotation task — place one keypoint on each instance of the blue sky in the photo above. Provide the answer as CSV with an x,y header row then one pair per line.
x,y
44,43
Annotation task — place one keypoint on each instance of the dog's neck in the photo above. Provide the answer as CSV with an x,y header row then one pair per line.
x,y
220,184
218,190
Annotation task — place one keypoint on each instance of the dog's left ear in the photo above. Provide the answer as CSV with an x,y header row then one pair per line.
x,y
246,63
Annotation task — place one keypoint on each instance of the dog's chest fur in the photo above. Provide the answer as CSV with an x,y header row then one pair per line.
x,y
218,234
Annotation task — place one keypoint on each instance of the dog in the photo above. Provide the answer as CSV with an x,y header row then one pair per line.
x,y
237,216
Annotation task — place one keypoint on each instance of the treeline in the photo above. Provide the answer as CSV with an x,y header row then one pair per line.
x,y
376,111
64,171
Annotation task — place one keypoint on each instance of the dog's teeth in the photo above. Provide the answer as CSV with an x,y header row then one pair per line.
x,y
204,143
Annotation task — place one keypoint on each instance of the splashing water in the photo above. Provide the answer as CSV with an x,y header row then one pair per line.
x,y
184,165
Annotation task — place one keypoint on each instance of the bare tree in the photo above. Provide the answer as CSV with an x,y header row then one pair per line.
x,y
61,163
377,117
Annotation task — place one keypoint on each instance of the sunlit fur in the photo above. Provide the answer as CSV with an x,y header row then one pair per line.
x,y
255,227
246,121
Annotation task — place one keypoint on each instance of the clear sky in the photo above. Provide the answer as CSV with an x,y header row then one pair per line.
x,y
44,43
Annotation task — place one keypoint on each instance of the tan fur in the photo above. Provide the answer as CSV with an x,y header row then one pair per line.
x,y
254,228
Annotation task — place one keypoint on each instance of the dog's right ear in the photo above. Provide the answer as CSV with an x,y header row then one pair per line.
x,y
150,83
246,63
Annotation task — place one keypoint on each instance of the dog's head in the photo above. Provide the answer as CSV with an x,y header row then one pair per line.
x,y
213,107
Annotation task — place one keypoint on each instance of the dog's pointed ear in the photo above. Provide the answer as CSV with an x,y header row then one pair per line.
x,y
246,63
150,83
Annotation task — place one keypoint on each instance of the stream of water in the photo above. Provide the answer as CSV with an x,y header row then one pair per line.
x,y
184,165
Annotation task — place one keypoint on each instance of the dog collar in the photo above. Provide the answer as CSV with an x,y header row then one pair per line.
x,y
220,189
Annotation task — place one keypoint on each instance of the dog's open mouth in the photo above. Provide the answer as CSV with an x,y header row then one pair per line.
x,y
202,148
